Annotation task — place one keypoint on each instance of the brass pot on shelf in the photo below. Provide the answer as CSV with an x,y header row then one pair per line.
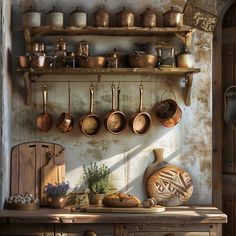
x,y
125,18
101,17
173,18
148,18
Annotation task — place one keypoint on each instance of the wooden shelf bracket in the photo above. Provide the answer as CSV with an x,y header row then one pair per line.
x,y
188,85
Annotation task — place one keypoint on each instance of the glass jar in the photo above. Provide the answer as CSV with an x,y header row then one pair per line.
x,y
60,54
83,48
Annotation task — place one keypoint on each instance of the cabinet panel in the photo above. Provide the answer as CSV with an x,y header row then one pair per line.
x,y
20,229
80,229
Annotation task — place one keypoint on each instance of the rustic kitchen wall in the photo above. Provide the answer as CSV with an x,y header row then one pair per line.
x,y
5,96
188,145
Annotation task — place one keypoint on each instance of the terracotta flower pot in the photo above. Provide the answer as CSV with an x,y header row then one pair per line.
x,y
57,202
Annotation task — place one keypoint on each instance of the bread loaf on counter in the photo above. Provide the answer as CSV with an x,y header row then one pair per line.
x,y
121,200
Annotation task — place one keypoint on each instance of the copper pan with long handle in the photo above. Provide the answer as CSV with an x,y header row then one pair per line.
x,y
90,123
44,119
140,121
115,120
65,121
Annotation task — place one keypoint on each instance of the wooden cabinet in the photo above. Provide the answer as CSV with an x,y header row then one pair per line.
x,y
175,221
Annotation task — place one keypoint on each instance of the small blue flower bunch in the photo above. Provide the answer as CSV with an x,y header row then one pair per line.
x,y
57,189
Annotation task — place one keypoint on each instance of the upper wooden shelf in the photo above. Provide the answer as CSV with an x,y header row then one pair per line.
x,y
107,31
161,71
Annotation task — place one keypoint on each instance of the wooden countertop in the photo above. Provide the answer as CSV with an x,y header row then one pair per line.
x,y
172,215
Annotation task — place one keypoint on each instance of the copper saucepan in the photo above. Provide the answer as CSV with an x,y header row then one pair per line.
x,y
44,119
115,120
90,123
140,121
65,120
167,111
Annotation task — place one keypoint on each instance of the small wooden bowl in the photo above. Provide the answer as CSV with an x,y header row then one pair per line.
x,y
17,206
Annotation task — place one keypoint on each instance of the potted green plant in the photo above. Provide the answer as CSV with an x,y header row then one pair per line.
x,y
56,194
96,178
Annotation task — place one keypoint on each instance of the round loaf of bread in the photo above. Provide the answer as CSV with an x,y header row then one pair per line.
x,y
121,200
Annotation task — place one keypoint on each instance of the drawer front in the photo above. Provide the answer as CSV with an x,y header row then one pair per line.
x,y
171,234
81,229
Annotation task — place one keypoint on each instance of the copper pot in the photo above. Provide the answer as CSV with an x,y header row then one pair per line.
x,y
90,123
101,18
37,61
185,59
125,18
92,62
167,111
115,121
117,59
58,202
148,18
140,121
173,18
143,60
23,61
65,121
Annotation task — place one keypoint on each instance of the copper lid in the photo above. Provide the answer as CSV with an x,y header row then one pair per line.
x,y
124,11
173,10
101,10
31,9
148,11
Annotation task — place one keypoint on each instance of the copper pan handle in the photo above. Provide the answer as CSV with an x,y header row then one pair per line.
x,y
44,97
113,97
141,98
91,88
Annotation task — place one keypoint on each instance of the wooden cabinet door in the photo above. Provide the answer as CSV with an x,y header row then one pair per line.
x,y
228,133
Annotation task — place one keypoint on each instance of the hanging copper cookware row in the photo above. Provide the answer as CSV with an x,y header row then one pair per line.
x,y
90,123
115,120
140,121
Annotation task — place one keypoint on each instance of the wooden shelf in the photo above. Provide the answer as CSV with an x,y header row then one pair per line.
x,y
161,71
30,73
183,33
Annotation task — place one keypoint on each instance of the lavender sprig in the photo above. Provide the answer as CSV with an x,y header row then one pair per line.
x,y
57,189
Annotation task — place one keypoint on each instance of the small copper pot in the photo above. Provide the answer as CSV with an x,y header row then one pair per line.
x,y
173,18
148,18
125,18
167,111
143,60
101,18
23,61
58,202
92,62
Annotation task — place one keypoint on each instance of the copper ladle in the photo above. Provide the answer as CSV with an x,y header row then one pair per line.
x,y
44,119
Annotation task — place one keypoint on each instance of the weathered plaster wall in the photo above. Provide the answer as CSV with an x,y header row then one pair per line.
x,y
5,94
187,145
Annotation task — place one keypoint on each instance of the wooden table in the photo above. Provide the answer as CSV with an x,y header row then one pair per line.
x,y
175,221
